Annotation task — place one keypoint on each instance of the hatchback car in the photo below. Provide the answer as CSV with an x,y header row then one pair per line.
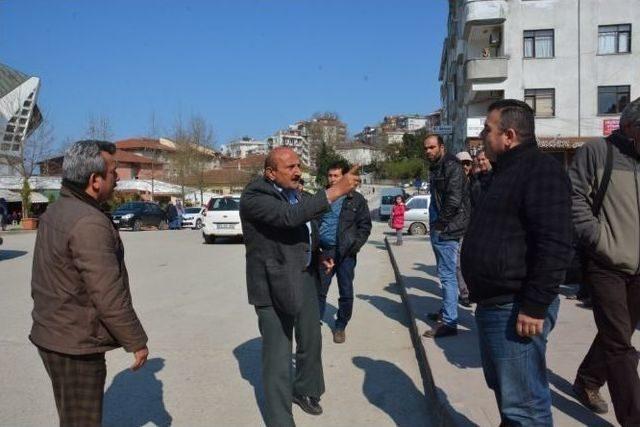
x,y
136,215
416,217
222,218
192,218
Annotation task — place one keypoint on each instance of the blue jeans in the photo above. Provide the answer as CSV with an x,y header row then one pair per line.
x,y
514,367
446,252
345,270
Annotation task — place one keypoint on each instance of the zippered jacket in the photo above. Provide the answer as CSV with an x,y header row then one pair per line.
x,y
613,237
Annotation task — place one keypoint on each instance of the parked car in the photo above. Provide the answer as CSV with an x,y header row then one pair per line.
x,y
222,218
135,215
193,218
387,199
416,217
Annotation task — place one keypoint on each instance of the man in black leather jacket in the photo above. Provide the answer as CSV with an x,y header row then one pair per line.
x,y
449,214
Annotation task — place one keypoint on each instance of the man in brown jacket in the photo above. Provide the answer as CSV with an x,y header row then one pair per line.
x,y
80,287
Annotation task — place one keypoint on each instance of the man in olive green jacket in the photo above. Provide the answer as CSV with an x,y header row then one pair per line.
x,y
80,287
610,237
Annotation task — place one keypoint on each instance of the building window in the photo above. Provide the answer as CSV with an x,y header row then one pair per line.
x,y
614,39
613,99
543,101
538,44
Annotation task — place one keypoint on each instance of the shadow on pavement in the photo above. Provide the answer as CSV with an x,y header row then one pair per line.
x,y
248,356
11,254
135,399
394,310
429,269
390,389
572,408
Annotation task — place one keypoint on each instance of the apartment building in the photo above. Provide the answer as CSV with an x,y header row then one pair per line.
x,y
243,147
294,139
576,62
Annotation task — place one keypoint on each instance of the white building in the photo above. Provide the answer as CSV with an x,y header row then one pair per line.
x,y
19,113
412,123
243,147
291,138
576,62
359,153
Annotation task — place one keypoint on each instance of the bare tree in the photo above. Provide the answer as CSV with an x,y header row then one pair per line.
x,y
202,140
35,148
99,127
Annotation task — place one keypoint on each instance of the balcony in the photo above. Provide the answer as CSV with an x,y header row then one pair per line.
x,y
486,69
483,12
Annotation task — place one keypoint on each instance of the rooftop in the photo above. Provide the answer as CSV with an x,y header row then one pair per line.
x,y
10,79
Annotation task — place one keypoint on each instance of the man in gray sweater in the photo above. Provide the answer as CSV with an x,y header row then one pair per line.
x,y
609,235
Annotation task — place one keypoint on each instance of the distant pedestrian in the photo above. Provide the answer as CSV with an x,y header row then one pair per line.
x,y
480,181
467,166
344,229
81,299
4,214
449,212
397,218
175,220
282,271
514,258
606,179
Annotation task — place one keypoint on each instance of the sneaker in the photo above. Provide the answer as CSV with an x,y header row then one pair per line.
x,y
591,398
339,336
441,331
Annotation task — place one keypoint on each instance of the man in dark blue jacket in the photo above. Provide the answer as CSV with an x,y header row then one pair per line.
x,y
516,251
344,229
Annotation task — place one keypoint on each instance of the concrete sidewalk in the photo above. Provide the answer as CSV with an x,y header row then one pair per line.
x,y
454,362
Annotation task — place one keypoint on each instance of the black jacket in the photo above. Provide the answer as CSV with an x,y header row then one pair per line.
x,y
450,192
276,238
354,226
518,244
479,186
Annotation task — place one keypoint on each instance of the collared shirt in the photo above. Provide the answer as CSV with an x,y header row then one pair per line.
x,y
292,197
329,224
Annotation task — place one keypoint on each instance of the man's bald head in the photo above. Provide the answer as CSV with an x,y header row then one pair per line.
x,y
272,158
282,166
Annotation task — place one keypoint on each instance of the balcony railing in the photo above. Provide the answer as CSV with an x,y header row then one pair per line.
x,y
483,12
483,69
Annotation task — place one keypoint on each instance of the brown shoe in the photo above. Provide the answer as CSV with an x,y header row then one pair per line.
x,y
339,336
441,331
591,398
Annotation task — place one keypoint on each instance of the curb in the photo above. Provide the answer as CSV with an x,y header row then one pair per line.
x,y
437,406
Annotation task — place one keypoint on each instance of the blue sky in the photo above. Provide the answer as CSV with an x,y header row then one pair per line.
x,y
248,67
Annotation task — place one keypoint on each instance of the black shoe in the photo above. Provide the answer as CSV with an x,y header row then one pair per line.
x,y
310,405
436,317
441,331
464,302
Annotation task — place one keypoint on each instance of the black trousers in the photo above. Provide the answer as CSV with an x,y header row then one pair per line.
x,y
612,359
78,386
277,331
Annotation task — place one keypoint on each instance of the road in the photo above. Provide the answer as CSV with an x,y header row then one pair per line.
x,y
205,348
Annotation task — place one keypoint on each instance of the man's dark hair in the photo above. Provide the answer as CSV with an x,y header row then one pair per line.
x,y
343,165
437,136
83,159
516,115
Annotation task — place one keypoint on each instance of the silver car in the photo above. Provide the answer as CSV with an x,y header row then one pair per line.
x,y
416,217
